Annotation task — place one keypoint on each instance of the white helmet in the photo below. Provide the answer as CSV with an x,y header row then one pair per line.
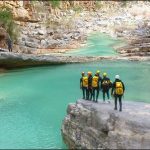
x,y
117,77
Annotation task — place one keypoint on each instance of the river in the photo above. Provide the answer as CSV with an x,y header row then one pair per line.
x,y
33,101
98,44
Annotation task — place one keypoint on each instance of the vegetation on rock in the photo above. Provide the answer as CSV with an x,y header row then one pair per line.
x,y
7,22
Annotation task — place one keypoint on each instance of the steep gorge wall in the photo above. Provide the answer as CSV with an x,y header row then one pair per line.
x,y
48,29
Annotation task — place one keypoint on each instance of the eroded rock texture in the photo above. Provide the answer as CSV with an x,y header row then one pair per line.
x,y
91,126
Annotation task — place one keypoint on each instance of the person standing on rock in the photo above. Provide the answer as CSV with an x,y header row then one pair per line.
x,y
117,91
84,85
105,86
9,43
96,85
89,91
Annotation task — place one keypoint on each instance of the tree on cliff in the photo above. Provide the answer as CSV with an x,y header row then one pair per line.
x,y
7,23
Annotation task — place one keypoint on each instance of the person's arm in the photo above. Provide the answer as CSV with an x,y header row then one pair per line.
x,y
80,83
110,83
99,82
113,86
123,87
90,82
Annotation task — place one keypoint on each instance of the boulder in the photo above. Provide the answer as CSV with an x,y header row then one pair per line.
x,y
90,125
42,31
31,44
20,14
53,43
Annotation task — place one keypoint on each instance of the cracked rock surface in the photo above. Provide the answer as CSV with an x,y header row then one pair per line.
x,y
91,125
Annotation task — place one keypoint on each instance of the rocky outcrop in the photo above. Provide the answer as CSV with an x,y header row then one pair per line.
x,y
17,60
90,125
18,10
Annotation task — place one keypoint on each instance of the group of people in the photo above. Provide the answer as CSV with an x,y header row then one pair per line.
x,y
92,85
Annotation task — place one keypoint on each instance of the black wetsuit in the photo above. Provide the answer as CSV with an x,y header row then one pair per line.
x,y
84,89
97,89
9,44
117,96
89,91
105,87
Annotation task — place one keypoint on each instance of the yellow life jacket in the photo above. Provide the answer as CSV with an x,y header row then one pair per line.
x,y
95,81
119,88
85,81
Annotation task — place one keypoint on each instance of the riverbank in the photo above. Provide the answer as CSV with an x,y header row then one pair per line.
x,y
91,125
123,23
16,60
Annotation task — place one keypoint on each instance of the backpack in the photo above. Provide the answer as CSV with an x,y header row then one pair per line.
x,y
106,83
95,81
119,88
85,81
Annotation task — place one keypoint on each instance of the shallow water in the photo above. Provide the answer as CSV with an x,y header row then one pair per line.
x,y
33,101
98,45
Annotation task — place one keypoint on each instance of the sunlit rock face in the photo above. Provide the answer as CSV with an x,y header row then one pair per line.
x,y
91,125
42,28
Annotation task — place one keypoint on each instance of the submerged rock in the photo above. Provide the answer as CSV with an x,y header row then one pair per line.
x,y
91,125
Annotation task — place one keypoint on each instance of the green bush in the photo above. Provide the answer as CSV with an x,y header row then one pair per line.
x,y
55,3
7,22
77,8
98,4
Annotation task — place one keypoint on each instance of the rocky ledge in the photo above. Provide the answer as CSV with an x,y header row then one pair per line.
x,y
91,125
16,60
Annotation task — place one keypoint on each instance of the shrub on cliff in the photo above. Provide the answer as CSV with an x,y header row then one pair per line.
x,y
55,3
7,22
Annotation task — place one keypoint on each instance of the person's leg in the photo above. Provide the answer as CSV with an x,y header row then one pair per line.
x,y
97,91
83,90
103,96
87,94
9,48
93,93
115,102
107,94
120,103
86,91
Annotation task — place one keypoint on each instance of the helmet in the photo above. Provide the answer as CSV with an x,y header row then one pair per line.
x,y
98,71
104,74
89,73
83,73
117,77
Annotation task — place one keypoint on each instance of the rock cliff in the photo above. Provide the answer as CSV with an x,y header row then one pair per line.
x,y
91,125
43,29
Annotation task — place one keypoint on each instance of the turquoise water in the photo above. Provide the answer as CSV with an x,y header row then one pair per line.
x,y
98,45
33,101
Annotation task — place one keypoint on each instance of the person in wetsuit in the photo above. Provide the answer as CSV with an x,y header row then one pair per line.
x,y
96,86
105,85
84,85
89,89
117,91
9,43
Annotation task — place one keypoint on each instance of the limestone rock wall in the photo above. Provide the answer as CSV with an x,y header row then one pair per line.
x,y
90,125
45,29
